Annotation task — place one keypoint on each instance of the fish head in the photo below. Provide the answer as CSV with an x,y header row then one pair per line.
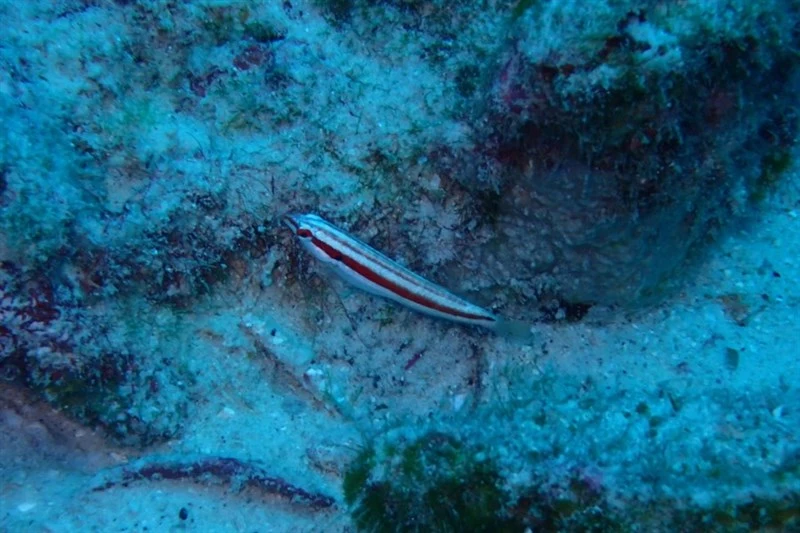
x,y
300,225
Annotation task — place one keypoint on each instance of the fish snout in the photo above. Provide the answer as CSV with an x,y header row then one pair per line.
x,y
292,220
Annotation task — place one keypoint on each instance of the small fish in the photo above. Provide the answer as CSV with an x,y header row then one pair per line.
x,y
369,270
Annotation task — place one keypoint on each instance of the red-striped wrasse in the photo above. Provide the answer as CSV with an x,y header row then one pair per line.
x,y
369,270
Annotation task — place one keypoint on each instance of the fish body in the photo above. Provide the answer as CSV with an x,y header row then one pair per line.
x,y
370,270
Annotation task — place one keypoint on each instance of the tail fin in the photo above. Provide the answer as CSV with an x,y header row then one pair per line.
x,y
514,329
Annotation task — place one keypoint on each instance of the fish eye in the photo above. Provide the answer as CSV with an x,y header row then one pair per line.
x,y
304,233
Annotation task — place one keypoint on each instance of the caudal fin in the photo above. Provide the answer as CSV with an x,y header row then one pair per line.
x,y
514,329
